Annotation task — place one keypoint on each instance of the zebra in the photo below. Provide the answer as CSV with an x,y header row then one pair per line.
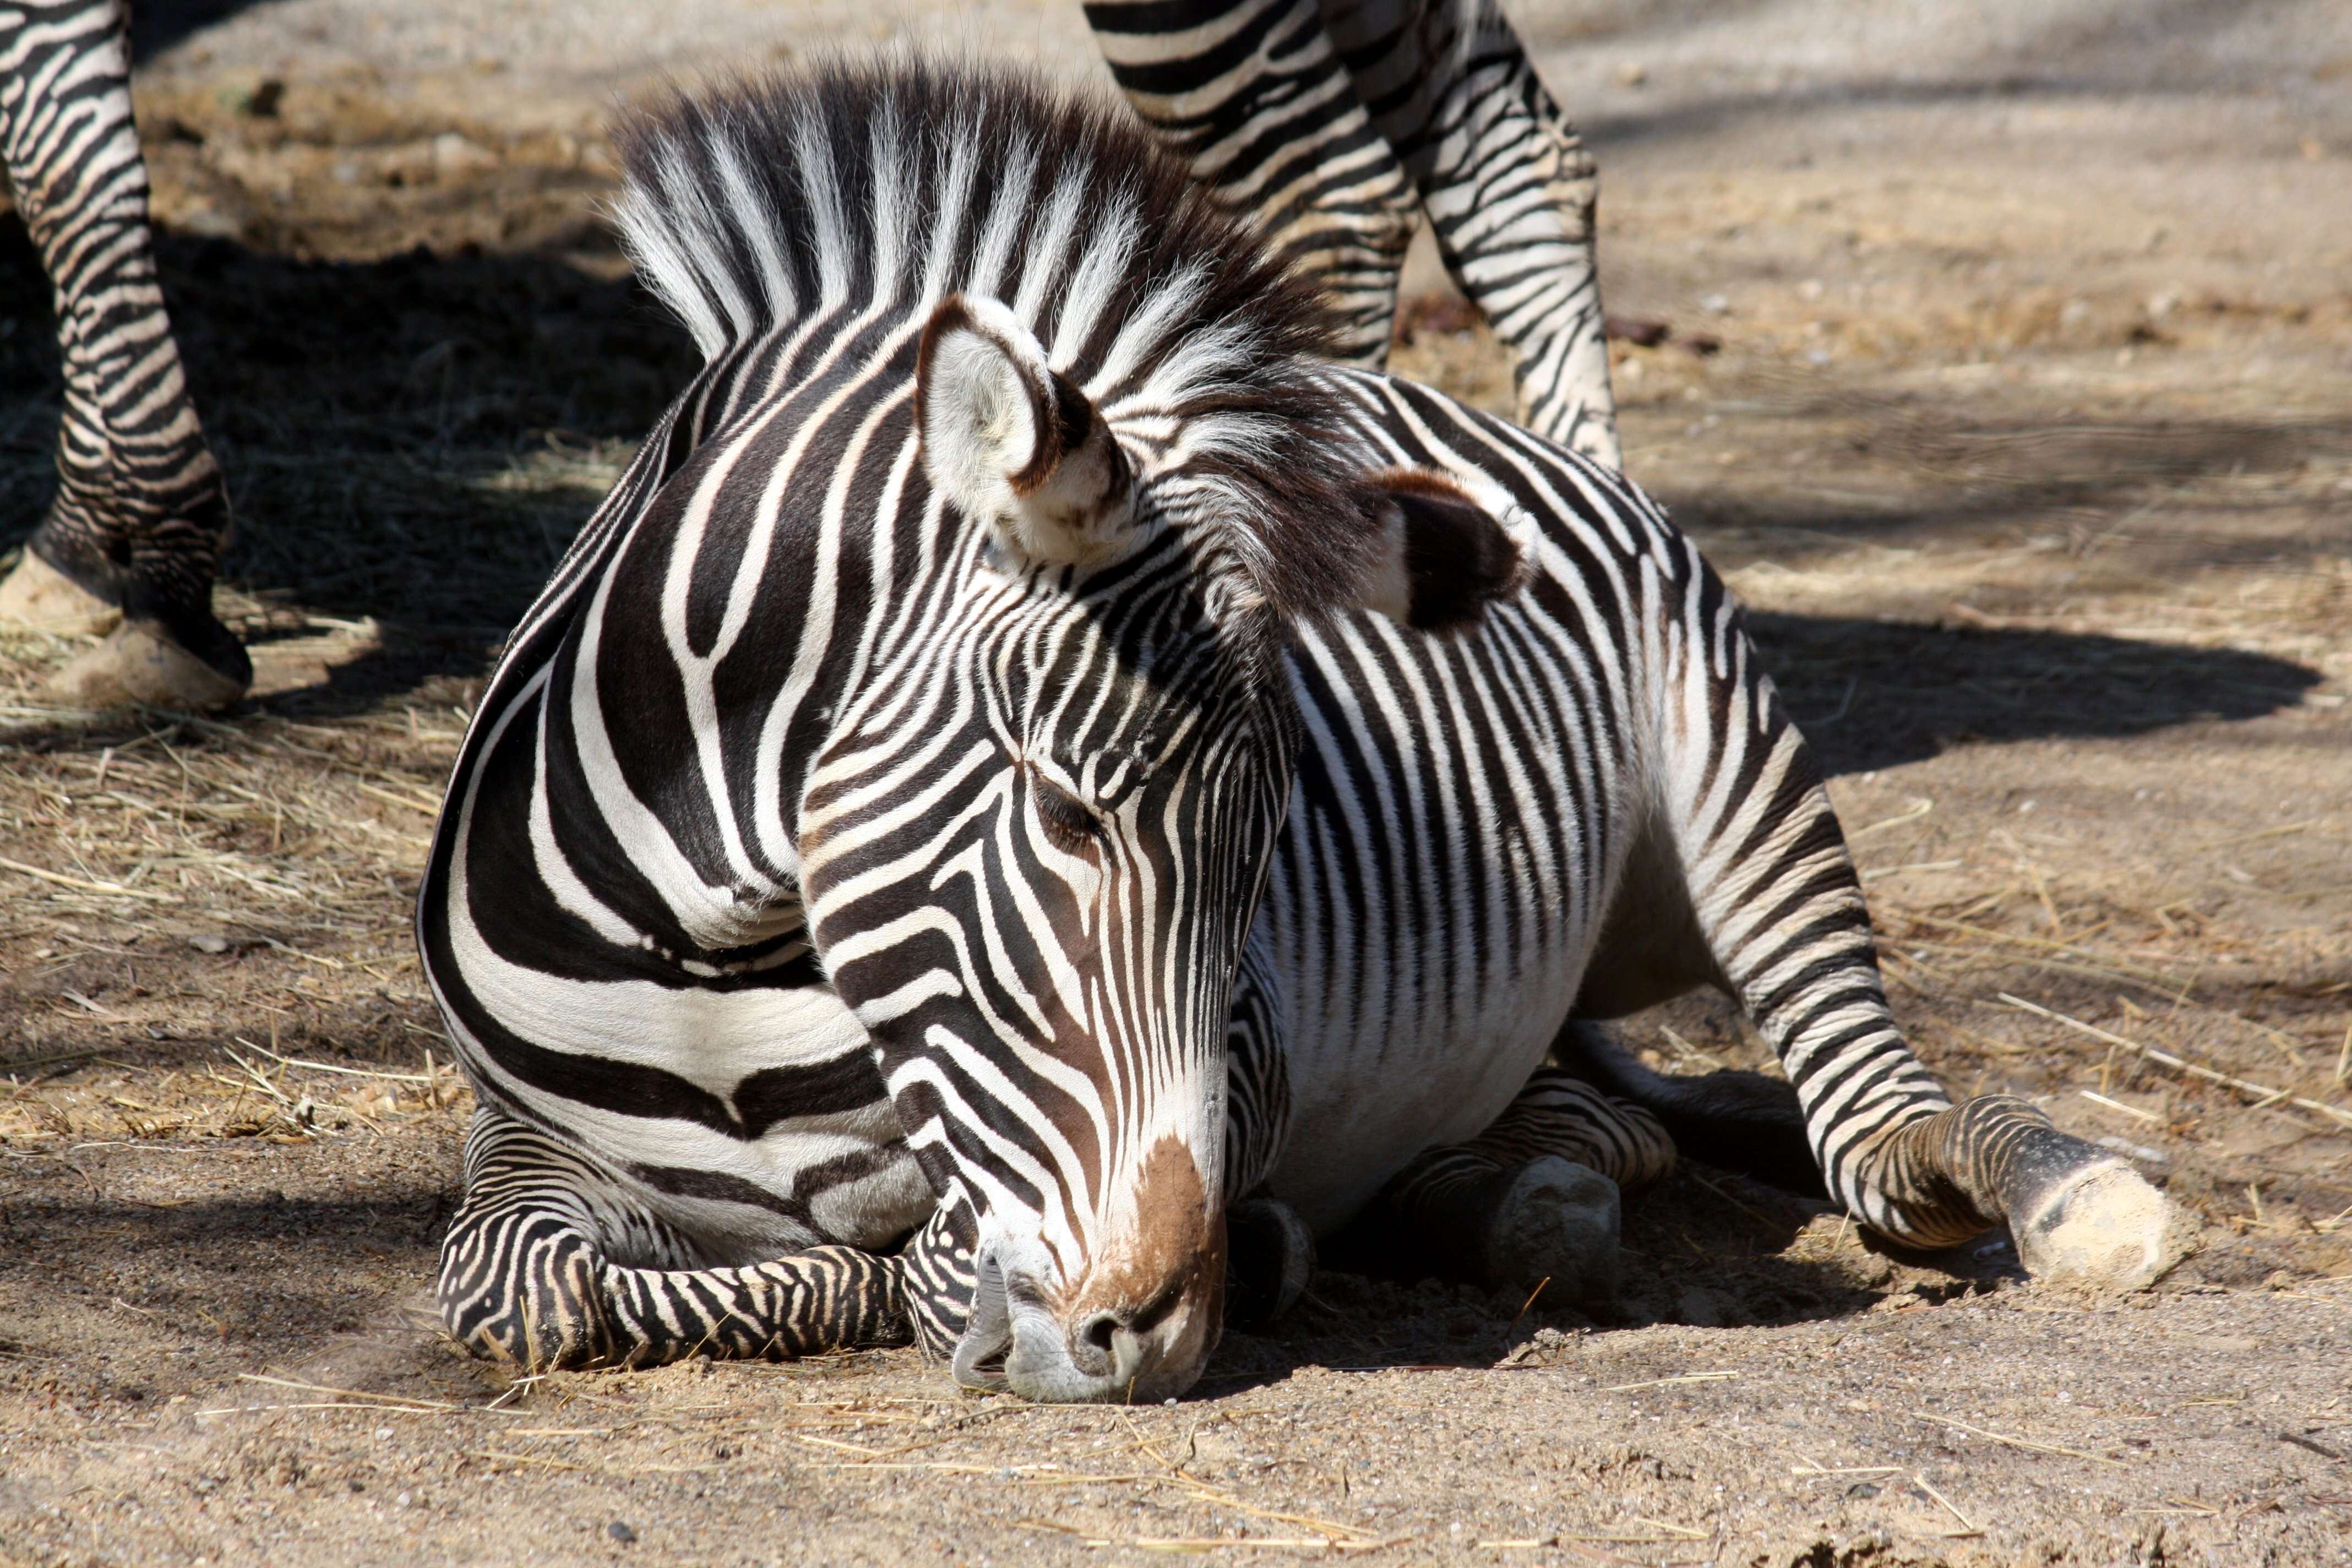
x,y
1334,125
1034,779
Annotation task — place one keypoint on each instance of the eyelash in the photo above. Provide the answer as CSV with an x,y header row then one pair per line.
x,y
1069,825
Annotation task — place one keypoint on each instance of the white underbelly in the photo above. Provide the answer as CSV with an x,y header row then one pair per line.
x,y
1364,1103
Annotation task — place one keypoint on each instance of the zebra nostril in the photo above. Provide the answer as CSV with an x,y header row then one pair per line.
x,y
1097,1341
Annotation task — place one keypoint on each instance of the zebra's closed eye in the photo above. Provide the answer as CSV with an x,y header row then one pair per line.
x,y
1071,826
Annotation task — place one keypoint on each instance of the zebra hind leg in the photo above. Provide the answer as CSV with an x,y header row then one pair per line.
x,y
527,1275
1536,1197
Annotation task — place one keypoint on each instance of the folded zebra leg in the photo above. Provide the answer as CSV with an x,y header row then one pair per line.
x,y
1537,1195
2081,1216
528,1274
1269,1257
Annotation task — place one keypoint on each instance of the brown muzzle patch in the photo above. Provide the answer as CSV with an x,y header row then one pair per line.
x,y
1174,1255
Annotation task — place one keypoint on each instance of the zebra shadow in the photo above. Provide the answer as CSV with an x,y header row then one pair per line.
x,y
412,441
1705,1249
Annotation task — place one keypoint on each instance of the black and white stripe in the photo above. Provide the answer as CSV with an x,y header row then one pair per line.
x,y
1335,126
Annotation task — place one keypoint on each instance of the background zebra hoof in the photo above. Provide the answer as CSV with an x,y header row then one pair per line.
x,y
1554,1220
37,597
138,664
2105,1230
1269,1253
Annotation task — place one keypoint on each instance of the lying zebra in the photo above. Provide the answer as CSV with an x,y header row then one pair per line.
x,y
1338,124
1029,760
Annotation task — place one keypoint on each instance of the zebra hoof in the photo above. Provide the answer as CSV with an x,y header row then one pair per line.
x,y
1559,1221
1269,1253
2103,1229
138,666
37,597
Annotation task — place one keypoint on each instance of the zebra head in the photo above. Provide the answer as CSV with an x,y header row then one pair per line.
x,y
1035,843
1041,449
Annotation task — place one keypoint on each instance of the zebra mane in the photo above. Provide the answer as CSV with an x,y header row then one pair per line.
x,y
757,205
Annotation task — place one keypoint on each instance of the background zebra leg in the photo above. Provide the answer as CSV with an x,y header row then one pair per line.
x,y
140,514
528,1274
1535,1196
1508,187
1254,97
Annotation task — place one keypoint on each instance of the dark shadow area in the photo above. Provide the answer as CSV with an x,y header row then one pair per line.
x,y
414,439
1705,1247
159,24
1873,694
221,1255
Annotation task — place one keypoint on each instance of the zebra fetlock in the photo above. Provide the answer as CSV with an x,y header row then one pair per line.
x,y
2079,1216
1269,1257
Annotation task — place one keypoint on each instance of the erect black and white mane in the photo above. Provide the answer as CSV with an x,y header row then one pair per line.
x,y
878,190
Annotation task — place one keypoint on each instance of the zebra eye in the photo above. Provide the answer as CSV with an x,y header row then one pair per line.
x,y
1069,825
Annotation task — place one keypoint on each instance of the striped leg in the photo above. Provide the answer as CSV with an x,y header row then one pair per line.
x,y
1776,915
1269,1251
532,1272
140,514
1509,187
1254,94
1534,1197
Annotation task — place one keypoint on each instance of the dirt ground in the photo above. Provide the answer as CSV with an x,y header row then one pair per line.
x,y
2008,374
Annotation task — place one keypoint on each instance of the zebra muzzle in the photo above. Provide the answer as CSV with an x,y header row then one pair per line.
x,y
1086,1350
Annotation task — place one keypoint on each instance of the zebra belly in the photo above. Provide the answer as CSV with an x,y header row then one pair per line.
x,y
1360,1110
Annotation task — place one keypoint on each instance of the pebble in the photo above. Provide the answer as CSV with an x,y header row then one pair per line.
x,y
620,1532
209,941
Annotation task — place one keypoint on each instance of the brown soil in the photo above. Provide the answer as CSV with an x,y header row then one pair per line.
x,y
2028,440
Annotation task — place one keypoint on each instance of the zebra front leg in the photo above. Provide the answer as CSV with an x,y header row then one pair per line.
x,y
1775,911
2079,1214
140,514
1510,191
1536,1197
529,1275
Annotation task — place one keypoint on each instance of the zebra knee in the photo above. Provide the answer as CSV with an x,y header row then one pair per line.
x,y
524,1288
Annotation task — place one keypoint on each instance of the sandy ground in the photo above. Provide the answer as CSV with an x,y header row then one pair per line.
x,y
2027,437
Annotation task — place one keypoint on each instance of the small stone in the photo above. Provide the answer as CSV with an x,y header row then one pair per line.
x,y
1633,73
209,941
405,1499
620,1532
1716,304
383,1434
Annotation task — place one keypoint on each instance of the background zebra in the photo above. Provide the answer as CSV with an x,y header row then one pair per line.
x,y
945,801
1336,125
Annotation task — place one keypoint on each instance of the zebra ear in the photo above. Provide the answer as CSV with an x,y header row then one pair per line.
x,y
1439,557
1009,439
